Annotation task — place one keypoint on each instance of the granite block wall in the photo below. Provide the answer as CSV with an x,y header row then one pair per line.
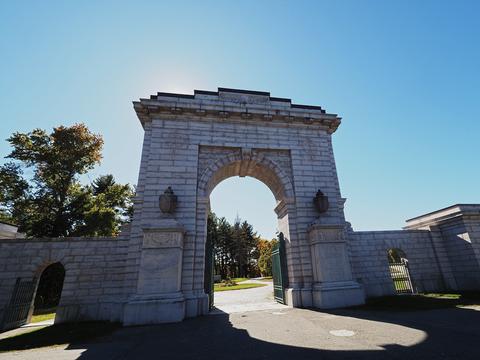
x,y
368,254
94,273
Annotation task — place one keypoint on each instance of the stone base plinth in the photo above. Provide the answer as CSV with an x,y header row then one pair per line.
x,y
154,310
330,295
196,304
293,297
298,298
106,311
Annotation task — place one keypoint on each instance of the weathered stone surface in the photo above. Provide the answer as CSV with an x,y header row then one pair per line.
x,y
94,273
154,272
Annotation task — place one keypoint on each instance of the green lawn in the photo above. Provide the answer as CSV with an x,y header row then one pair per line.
x,y
240,279
43,317
400,284
217,287
58,335
424,301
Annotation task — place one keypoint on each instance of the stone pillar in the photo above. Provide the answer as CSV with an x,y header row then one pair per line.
x,y
333,282
159,297
441,255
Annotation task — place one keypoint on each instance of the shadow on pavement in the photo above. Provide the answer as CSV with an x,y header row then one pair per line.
x,y
450,334
57,334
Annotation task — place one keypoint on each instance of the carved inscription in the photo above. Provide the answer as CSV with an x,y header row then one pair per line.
x,y
244,98
326,236
157,239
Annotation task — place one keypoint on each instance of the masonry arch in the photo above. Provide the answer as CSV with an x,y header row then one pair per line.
x,y
191,144
276,180
49,289
38,290
251,164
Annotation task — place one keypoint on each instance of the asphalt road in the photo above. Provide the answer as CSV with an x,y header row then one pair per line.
x,y
289,334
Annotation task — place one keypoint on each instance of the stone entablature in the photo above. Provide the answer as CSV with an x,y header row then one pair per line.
x,y
235,105
450,213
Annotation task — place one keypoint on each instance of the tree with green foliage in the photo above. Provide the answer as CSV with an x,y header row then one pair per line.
x,y
50,201
248,239
222,231
109,206
13,193
235,247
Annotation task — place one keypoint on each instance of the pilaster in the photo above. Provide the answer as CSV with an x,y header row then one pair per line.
x,y
159,297
333,282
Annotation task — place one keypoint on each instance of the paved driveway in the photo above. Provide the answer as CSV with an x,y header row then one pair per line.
x,y
289,334
235,301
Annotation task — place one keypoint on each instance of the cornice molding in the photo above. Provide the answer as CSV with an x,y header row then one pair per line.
x,y
233,105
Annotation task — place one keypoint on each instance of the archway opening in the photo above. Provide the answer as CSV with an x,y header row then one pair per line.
x,y
399,271
49,292
243,230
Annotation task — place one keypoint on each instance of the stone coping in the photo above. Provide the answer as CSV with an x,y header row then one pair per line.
x,y
448,213
400,231
234,104
63,239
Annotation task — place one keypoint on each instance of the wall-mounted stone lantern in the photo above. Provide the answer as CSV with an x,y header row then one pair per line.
x,y
168,201
321,202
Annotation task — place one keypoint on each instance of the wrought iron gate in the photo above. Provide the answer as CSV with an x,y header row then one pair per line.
x,y
279,269
400,274
209,271
16,313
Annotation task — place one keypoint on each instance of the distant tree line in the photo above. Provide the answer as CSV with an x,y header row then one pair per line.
x,y
238,250
40,191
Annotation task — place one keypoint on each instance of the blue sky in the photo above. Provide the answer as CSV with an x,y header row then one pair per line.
x,y
403,75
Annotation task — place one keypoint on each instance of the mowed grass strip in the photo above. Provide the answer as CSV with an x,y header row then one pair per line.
x,y
425,301
42,317
217,287
58,335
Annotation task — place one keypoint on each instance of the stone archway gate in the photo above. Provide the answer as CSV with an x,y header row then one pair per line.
x,y
192,143
154,271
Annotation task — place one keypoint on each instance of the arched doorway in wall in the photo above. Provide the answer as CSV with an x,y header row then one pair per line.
x,y
34,298
244,242
399,271
276,180
49,292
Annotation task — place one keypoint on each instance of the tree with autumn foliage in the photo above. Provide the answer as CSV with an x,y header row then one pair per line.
x,y
264,261
40,189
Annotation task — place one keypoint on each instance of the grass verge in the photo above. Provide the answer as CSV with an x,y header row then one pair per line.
x,y
217,287
58,335
42,317
240,279
426,301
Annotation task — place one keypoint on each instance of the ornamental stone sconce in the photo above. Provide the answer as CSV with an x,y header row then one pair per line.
x,y
168,201
321,202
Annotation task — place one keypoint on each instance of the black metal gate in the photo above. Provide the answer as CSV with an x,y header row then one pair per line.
x,y
402,280
16,313
209,270
279,269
